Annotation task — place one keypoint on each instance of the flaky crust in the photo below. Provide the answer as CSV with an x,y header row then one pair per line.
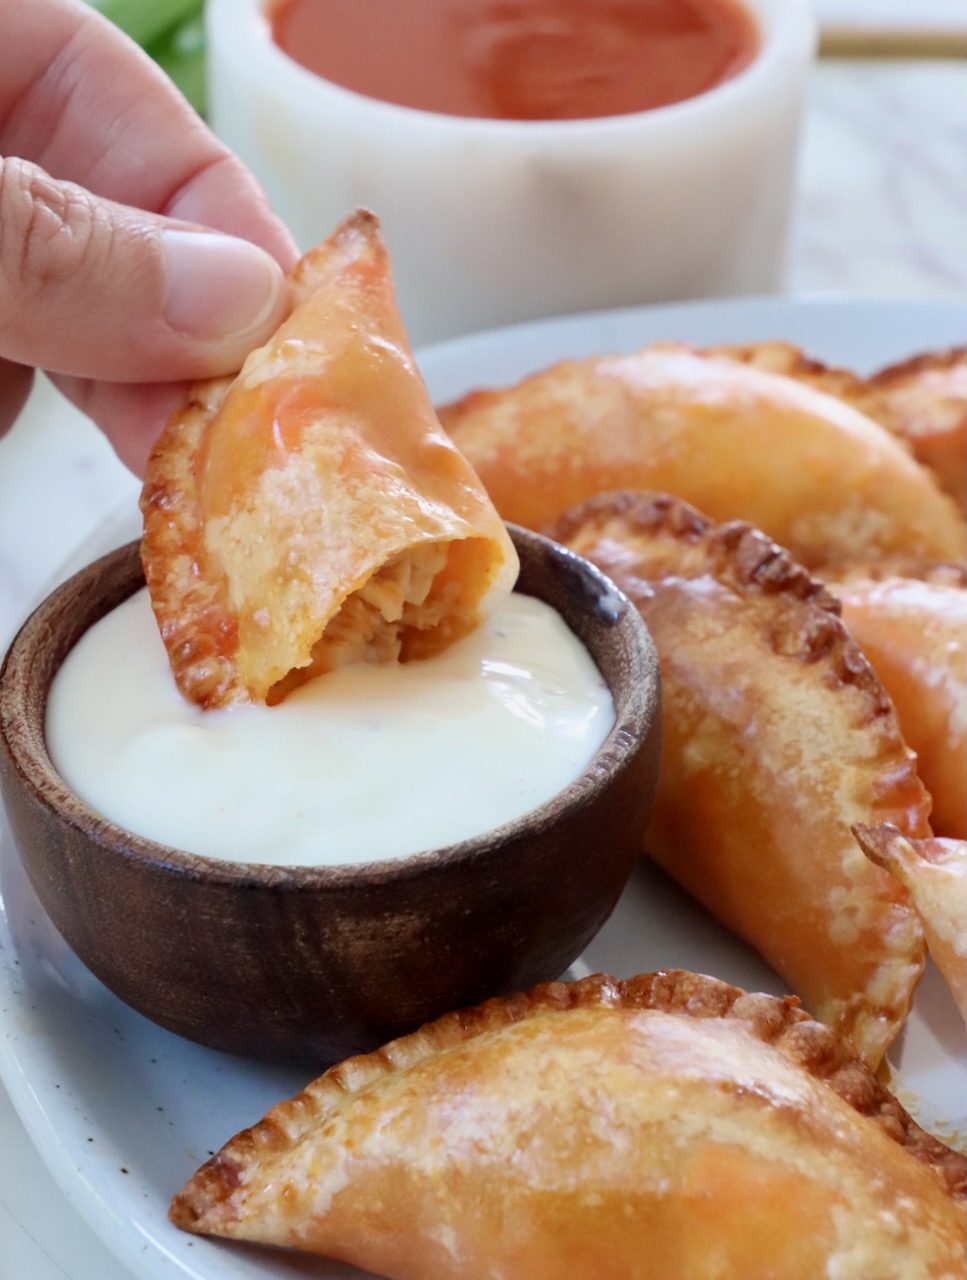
x,y
312,511
935,872
740,440
778,736
667,1127
914,632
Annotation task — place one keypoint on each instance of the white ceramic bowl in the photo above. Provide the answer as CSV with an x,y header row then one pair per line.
x,y
493,221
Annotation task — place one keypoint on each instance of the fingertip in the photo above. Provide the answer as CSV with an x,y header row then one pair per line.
x,y
226,197
221,290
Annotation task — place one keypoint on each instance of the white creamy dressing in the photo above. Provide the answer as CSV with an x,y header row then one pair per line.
x,y
367,762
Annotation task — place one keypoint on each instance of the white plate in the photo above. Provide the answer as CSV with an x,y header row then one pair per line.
x,y
122,1112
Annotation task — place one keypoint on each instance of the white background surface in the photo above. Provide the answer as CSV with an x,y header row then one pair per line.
x,y
880,211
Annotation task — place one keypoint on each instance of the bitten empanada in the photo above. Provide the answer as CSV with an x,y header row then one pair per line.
x,y
778,737
313,512
915,634
935,872
738,441
668,1127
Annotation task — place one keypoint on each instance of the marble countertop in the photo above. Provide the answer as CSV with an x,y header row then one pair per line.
x,y
881,192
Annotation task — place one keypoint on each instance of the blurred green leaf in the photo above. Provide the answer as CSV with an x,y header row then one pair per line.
x,y
181,53
147,20
170,31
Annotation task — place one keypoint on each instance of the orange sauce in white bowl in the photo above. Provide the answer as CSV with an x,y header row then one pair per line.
x,y
520,59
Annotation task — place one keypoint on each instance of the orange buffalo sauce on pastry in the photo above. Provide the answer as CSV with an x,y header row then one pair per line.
x,y
740,442
935,872
668,1127
312,512
777,738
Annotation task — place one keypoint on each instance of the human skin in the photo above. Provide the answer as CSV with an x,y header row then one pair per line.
x,y
136,252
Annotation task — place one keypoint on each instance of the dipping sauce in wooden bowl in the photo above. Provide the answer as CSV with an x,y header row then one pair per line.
x,y
320,961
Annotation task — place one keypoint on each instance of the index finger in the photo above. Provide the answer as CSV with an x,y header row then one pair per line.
x,y
85,103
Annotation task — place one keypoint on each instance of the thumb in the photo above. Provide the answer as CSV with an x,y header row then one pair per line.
x,y
105,291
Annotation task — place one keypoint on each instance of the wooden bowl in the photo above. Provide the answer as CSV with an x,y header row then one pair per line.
x,y
321,962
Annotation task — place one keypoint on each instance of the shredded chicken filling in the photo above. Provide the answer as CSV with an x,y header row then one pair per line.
x,y
370,625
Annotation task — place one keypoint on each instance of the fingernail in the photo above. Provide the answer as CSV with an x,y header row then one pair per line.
x,y
218,287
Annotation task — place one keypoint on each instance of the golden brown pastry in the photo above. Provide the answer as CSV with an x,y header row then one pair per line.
x,y
778,737
793,362
915,635
922,400
942,573
935,872
737,441
669,1127
312,511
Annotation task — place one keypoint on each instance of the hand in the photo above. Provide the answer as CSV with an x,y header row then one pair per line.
x,y
136,252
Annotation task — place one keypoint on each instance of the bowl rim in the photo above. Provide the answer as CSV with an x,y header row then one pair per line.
x,y
28,753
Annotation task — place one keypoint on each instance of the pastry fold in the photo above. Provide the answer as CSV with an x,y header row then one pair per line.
x,y
914,632
667,1127
922,400
312,512
935,872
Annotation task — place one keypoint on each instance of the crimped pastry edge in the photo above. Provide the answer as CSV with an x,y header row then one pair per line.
x,y
924,362
202,657
747,562
777,1021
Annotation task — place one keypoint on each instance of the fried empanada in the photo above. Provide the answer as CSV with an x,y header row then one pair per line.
x,y
944,573
668,1127
737,441
925,402
915,635
778,736
922,400
313,512
935,872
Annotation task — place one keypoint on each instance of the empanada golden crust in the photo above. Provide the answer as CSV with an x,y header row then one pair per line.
x,y
740,442
667,1127
925,402
922,400
793,362
778,736
935,872
313,512
915,635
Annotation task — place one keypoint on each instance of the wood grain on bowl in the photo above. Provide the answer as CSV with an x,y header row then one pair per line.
x,y
320,962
